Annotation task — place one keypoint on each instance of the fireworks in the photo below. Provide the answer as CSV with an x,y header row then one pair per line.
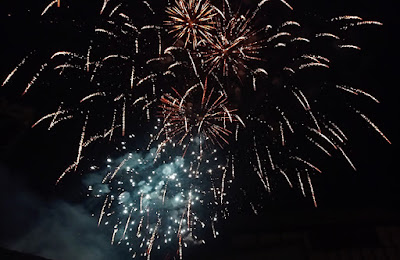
x,y
233,45
206,120
192,21
183,105
154,204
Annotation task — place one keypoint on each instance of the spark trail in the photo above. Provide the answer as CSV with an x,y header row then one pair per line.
x,y
179,82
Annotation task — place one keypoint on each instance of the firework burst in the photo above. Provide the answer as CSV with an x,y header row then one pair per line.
x,y
234,44
192,21
153,202
159,194
205,118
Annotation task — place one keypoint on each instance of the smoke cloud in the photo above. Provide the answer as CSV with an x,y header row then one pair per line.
x,y
53,229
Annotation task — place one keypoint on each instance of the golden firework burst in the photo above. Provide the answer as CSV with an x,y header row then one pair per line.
x,y
235,44
206,116
192,20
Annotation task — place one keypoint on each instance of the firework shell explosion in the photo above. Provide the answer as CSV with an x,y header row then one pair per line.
x,y
207,119
192,20
214,86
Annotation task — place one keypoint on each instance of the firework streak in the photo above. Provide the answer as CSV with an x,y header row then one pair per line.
x,y
200,90
152,204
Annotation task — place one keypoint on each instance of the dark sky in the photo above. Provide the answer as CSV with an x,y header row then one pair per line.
x,y
52,221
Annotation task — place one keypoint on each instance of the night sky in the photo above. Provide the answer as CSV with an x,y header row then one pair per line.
x,y
52,221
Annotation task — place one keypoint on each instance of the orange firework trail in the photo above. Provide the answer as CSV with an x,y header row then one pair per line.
x,y
81,143
374,126
50,5
14,71
312,190
187,97
102,212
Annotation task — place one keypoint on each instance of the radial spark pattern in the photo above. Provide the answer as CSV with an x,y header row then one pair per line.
x,y
204,119
192,21
234,44
249,93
